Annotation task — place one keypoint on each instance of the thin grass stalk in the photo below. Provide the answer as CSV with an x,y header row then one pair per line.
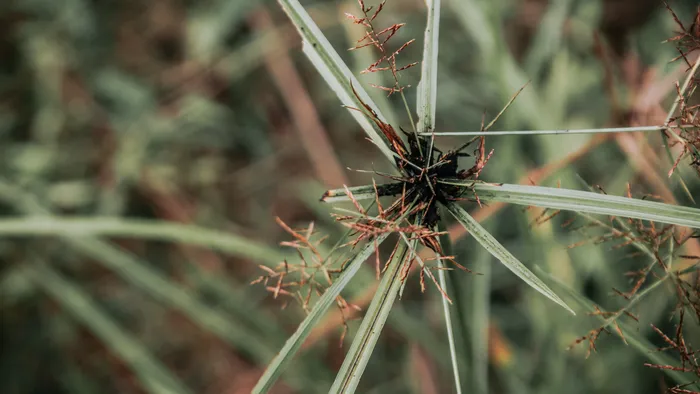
x,y
455,280
608,130
446,309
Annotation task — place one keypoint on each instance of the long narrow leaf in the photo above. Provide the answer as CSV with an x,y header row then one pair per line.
x,y
565,199
231,244
427,88
335,72
141,275
580,201
366,338
502,254
290,348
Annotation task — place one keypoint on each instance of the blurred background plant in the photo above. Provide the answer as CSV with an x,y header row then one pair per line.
x,y
172,132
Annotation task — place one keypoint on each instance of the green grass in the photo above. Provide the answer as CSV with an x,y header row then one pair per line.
x,y
145,156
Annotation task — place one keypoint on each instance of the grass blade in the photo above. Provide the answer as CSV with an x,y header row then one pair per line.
x,y
565,199
290,348
142,229
502,254
336,73
142,276
427,87
366,338
153,374
588,202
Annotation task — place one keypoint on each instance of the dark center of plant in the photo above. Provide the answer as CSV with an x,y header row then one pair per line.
x,y
425,168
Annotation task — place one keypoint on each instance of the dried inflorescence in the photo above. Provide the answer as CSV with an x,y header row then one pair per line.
x,y
687,39
420,186
662,244
412,215
379,40
312,274
683,349
685,127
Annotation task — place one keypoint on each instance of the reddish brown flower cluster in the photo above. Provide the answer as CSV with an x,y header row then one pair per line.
x,y
661,243
685,127
379,40
689,363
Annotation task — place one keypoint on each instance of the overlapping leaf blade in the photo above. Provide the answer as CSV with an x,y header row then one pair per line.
x,y
284,357
502,254
336,74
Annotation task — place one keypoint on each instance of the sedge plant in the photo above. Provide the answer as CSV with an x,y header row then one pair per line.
x,y
411,204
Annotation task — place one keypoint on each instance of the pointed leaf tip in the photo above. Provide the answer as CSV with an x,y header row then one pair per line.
x,y
502,254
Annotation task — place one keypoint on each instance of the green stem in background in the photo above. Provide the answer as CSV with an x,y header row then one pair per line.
x,y
480,307
153,374
159,230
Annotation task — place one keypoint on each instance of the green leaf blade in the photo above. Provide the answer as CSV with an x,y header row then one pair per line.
x,y
427,88
595,203
161,230
367,335
336,73
290,348
502,254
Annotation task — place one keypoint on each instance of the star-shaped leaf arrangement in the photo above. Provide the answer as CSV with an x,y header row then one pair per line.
x,y
426,185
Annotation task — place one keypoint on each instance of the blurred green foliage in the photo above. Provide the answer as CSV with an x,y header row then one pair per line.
x,y
135,114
